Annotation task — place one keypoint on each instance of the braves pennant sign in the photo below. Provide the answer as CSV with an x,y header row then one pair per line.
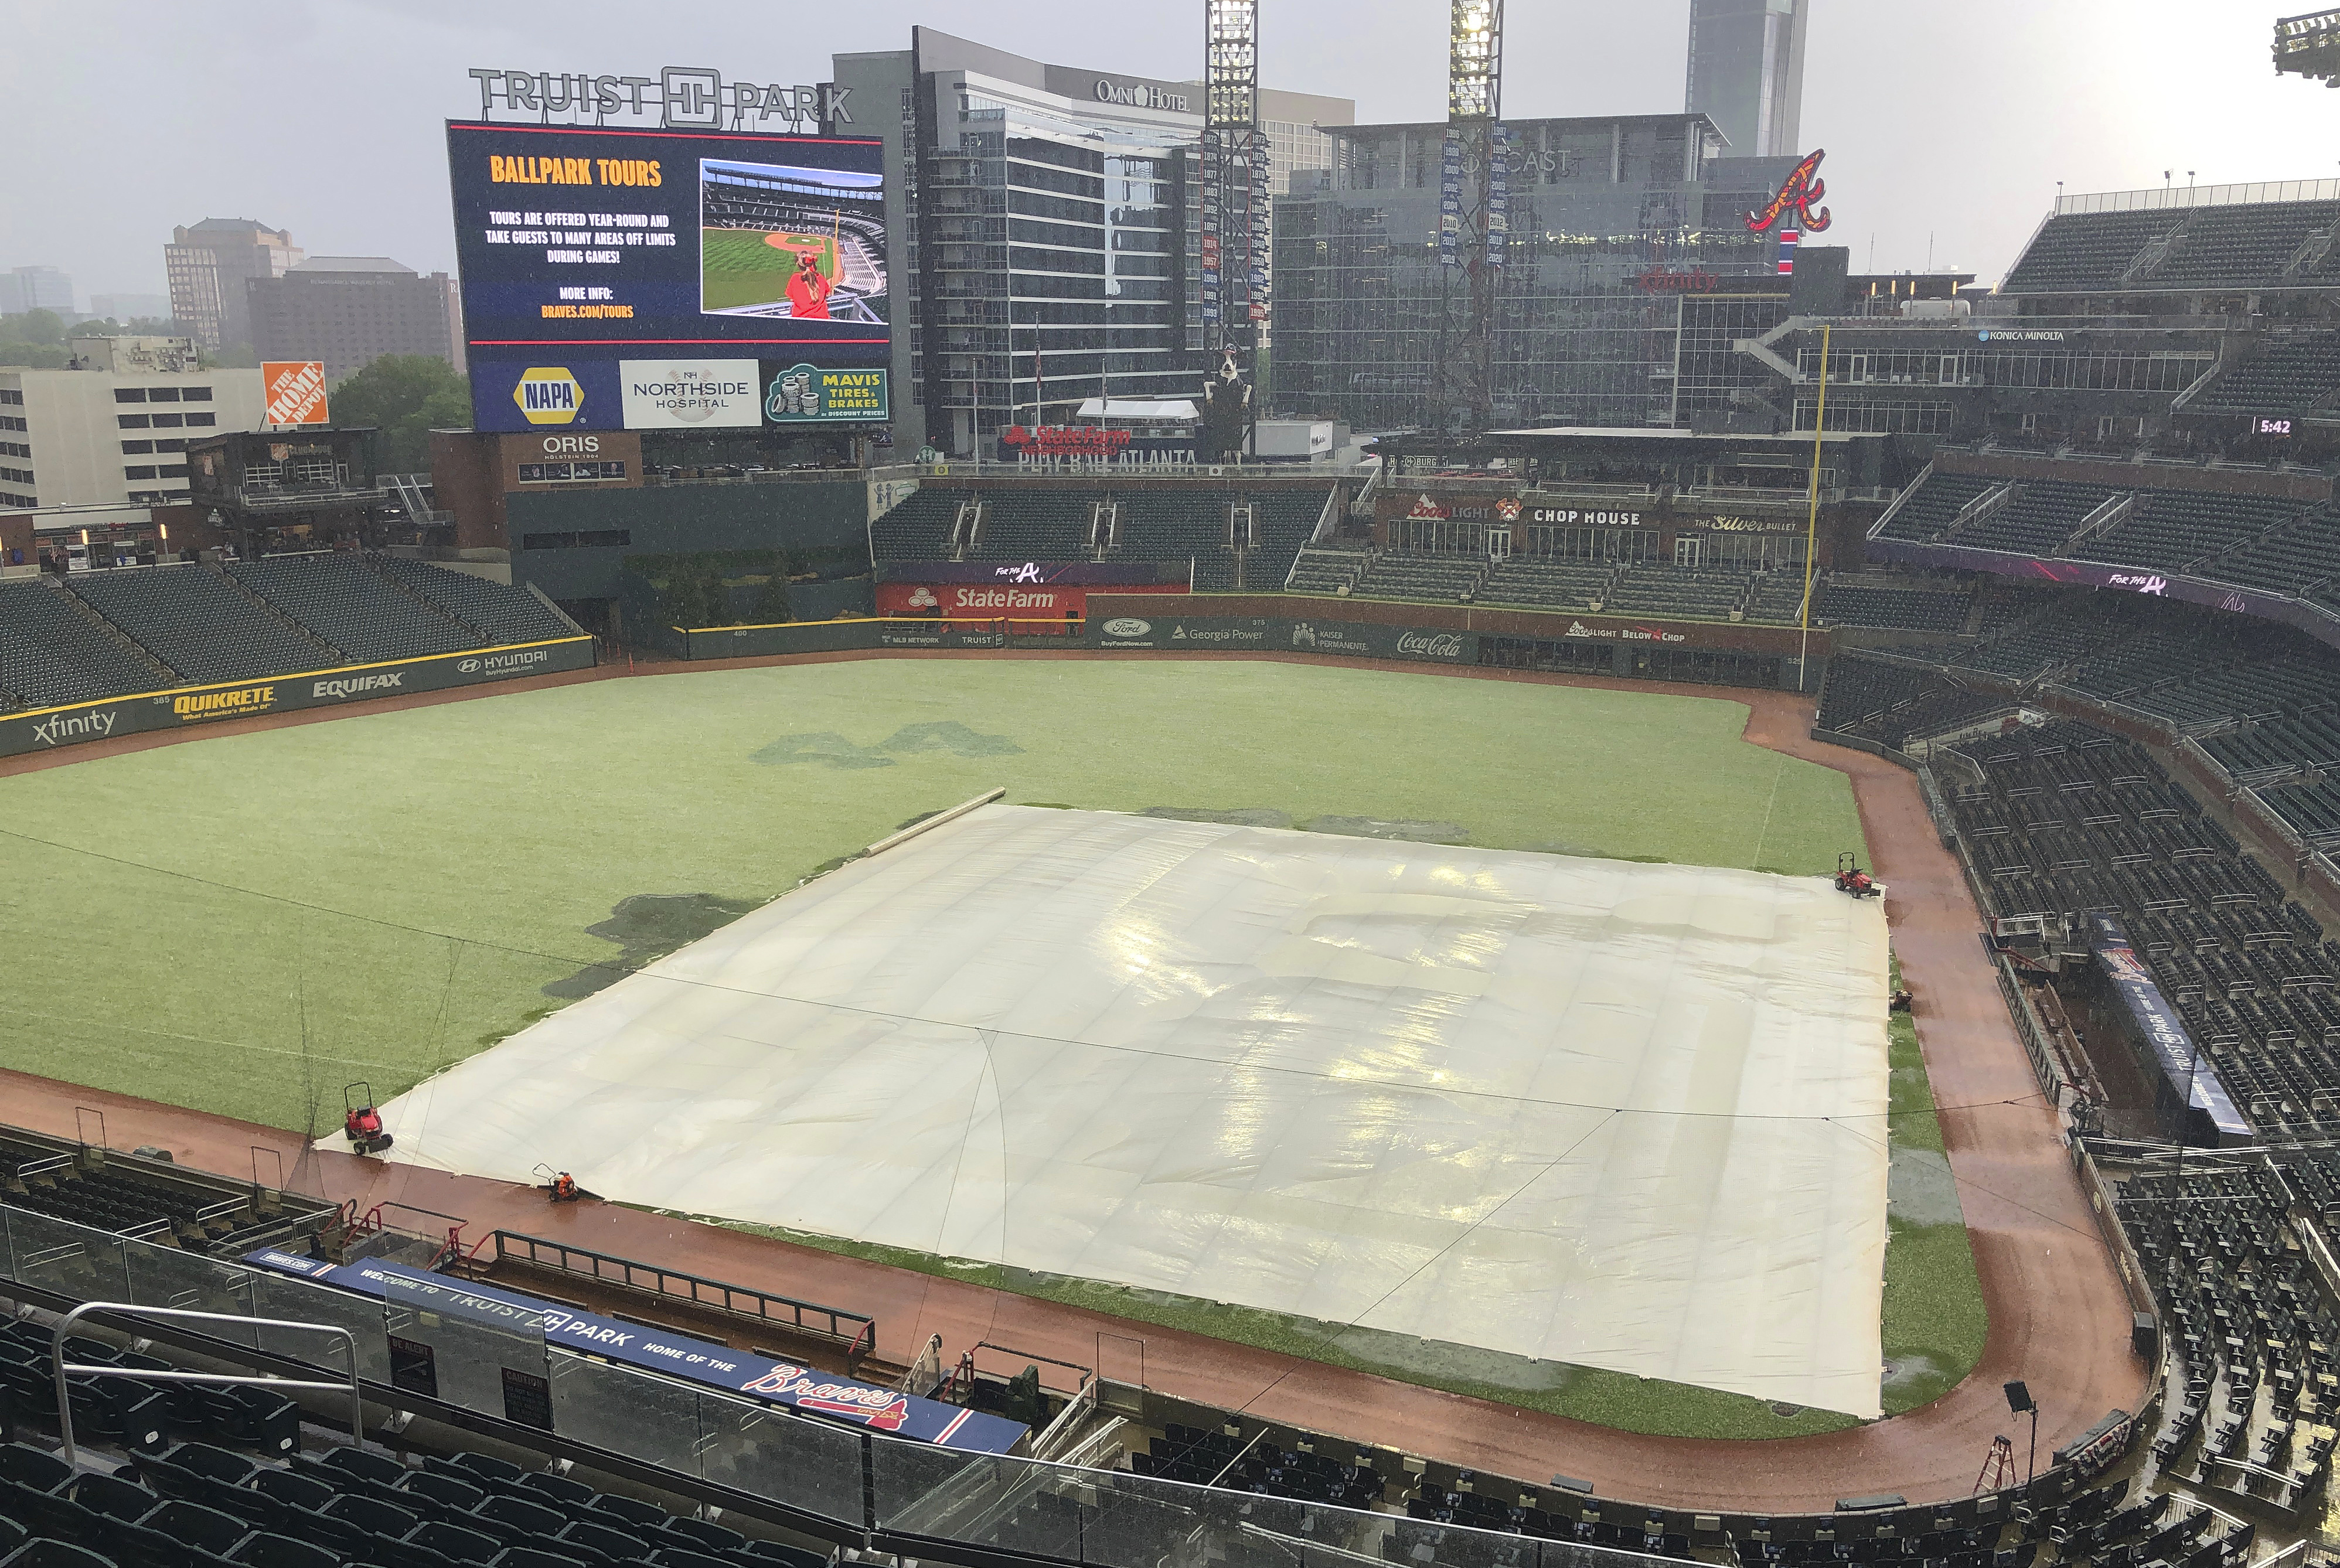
x,y
1796,195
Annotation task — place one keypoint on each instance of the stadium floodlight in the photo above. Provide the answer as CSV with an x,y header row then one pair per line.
x,y
1231,63
2309,46
1474,60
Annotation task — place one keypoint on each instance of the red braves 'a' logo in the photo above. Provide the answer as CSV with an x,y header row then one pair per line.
x,y
1802,188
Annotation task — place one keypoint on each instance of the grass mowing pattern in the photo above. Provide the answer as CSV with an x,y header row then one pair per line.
x,y
244,924
737,267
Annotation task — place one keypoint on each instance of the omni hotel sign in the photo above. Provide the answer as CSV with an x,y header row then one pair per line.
x,y
1140,95
678,98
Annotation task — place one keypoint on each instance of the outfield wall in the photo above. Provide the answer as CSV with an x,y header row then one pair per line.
x,y
1713,652
180,707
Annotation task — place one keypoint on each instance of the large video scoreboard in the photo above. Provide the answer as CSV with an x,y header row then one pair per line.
x,y
665,280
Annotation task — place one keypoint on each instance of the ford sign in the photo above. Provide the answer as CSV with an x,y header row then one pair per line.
x,y
1127,626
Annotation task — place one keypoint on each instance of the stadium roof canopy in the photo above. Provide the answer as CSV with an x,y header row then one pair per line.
x,y
1568,1110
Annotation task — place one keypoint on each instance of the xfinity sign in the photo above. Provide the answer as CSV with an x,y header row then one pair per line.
x,y
678,98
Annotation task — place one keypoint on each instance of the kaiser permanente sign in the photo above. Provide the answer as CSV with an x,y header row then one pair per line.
x,y
46,728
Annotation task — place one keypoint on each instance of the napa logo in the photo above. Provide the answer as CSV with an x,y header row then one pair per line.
x,y
549,394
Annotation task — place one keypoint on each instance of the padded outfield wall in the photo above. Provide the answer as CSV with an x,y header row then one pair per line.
x,y
1723,652
183,707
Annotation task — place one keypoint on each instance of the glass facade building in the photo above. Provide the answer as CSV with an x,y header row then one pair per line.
x,y
1628,276
1747,72
1048,216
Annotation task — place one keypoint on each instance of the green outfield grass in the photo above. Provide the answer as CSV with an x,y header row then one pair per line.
x,y
245,924
738,268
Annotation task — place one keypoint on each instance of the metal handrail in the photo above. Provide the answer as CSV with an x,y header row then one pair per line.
x,y
62,1368
739,1300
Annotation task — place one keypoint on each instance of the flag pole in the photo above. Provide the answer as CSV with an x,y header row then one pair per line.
x,y
1812,524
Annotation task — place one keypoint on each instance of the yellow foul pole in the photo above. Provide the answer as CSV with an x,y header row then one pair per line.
x,y
1812,525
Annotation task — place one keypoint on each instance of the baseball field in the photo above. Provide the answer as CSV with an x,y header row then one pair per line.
x,y
248,924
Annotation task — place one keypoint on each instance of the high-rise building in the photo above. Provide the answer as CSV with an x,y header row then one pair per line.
x,y
1045,229
1627,279
25,289
207,266
349,311
1747,72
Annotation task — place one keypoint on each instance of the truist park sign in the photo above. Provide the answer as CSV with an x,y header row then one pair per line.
x,y
678,98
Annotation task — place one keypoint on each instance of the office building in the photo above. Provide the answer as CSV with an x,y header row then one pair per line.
x,y
25,289
208,265
349,311
103,437
1046,217
1747,72
126,308
1628,276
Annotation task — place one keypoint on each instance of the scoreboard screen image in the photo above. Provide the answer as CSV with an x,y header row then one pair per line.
x,y
617,279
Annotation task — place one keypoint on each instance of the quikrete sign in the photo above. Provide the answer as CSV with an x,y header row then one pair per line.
x,y
45,730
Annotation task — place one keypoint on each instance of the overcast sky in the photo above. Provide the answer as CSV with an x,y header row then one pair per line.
x,y
1946,127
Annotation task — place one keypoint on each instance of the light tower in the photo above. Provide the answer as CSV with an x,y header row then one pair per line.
x,y
2309,46
1235,186
1474,226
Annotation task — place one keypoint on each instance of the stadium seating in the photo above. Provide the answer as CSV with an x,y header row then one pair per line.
x,y
1776,597
1841,603
1705,595
344,602
1396,575
1554,584
198,622
1321,571
1930,504
2291,558
500,613
50,654
2041,515
2077,251
2290,372
2170,529
918,526
2240,246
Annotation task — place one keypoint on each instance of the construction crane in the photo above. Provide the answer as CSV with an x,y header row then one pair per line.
x,y
1474,226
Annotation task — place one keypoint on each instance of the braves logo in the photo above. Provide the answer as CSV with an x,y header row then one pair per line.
x,y
1802,188
877,1407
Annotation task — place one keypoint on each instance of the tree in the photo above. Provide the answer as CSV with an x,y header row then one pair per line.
x,y
405,397
34,327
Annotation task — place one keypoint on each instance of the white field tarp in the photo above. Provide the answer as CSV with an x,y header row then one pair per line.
x,y
1622,1116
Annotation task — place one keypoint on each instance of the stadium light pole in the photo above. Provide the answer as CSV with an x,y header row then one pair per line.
x,y
1812,523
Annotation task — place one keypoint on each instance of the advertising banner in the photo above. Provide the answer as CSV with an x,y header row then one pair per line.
x,y
1135,576
929,634
2223,596
292,392
587,246
567,393
44,729
806,394
690,394
839,1398
1222,634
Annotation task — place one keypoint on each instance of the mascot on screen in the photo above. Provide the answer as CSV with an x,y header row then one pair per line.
x,y
1226,414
